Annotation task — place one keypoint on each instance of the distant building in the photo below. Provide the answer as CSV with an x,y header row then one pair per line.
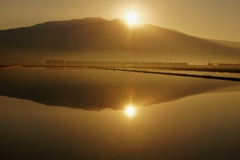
x,y
55,62
210,64
229,64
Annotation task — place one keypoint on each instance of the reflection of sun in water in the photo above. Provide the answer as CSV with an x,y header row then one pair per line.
x,y
132,18
130,111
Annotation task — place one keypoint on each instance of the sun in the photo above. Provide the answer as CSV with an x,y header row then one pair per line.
x,y
132,18
130,111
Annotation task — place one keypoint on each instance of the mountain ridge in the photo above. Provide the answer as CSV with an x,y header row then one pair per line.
x,y
100,39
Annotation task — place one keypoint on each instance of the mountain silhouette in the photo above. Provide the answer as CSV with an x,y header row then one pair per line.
x,y
99,39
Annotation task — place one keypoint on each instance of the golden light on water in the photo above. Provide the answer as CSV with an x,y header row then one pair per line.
x,y
132,18
130,111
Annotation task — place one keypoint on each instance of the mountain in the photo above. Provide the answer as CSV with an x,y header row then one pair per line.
x,y
227,43
99,39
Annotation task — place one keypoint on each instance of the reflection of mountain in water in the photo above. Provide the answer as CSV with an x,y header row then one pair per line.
x,y
98,89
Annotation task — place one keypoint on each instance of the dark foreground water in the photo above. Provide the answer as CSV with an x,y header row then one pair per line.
x,y
79,114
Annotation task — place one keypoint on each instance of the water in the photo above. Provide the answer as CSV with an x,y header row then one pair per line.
x,y
79,114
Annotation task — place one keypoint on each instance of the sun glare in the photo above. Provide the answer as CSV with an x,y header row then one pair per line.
x,y
132,18
130,111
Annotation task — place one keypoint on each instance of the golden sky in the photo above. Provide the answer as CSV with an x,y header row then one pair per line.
x,y
214,19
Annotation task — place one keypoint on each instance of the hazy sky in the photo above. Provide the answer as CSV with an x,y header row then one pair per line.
x,y
215,19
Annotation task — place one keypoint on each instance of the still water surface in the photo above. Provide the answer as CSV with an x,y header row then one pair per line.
x,y
79,114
